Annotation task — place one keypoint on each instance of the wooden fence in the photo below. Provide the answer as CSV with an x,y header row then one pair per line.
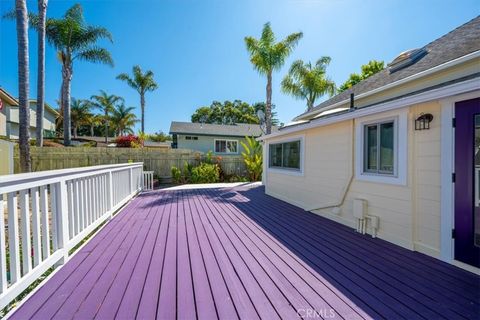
x,y
160,161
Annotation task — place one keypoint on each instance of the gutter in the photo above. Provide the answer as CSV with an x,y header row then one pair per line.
x,y
415,76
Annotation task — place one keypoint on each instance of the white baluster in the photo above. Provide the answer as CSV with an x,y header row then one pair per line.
x,y
3,252
37,255
45,222
26,246
13,238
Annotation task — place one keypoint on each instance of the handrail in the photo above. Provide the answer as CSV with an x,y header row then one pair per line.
x,y
50,212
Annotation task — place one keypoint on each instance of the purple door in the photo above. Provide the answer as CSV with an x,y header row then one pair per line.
x,y
467,180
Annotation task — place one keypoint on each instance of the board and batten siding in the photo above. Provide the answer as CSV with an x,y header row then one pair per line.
x,y
409,215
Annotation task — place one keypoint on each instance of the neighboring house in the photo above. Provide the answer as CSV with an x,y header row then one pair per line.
x,y
9,118
6,101
360,158
204,137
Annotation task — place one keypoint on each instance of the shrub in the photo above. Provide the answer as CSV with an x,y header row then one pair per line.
x,y
205,173
252,156
129,141
176,175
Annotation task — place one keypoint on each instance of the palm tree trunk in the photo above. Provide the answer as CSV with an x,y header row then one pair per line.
x,y
42,12
91,130
142,105
23,84
67,78
106,126
268,107
75,131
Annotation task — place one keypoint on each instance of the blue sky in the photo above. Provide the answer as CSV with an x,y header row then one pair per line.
x,y
197,52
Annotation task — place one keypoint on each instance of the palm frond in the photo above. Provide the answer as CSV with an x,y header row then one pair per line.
x,y
96,55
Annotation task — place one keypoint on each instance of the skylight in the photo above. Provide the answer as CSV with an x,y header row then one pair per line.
x,y
406,58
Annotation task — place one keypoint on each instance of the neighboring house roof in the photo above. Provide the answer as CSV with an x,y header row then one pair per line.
x,y
455,44
153,144
7,97
47,106
235,130
14,102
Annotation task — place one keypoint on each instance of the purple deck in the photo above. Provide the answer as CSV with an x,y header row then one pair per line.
x,y
237,253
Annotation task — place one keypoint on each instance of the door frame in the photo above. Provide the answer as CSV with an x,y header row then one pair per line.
x,y
447,214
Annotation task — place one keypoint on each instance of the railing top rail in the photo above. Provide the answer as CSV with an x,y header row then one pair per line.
x,y
21,178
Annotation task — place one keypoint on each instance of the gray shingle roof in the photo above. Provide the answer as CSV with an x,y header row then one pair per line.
x,y
236,130
455,44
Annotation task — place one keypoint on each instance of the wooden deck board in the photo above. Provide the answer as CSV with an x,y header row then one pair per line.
x,y
237,253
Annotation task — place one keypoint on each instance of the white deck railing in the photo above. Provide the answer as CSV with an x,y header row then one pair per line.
x,y
50,212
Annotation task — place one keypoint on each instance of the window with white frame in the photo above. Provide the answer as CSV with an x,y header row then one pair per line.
x,y
379,148
226,146
285,155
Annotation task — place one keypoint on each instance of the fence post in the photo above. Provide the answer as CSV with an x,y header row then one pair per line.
x,y
62,219
110,192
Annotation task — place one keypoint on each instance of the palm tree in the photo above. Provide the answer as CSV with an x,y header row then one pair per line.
x,y
42,15
266,55
80,114
142,82
23,84
307,81
106,103
123,119
93,121
75,40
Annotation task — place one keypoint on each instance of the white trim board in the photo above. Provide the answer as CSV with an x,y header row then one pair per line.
x,y
440,93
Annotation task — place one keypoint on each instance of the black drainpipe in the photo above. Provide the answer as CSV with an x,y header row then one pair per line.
x,y
352,106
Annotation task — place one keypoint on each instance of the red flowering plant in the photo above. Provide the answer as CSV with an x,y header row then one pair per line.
x,y
129,141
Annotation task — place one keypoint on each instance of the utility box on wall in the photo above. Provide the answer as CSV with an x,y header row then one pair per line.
x,y
6,157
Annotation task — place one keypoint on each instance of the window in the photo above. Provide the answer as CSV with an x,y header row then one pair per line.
x,y
226,146
285,155
381,147
379,144
191,138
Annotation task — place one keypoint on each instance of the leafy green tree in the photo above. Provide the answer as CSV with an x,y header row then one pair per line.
x,y
308,82
142,82
80,114
230,112
23,84
106,103
160,137
123,119
266,55
94,121
74,40
368,70
252,156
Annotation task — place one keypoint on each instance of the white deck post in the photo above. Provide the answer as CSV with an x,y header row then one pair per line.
x,y
62,219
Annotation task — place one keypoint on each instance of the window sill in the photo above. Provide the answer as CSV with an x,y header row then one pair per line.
x,y
381,178
291,172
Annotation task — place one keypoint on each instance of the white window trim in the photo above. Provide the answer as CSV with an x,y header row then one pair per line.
x,y
226,140
400,118
287,171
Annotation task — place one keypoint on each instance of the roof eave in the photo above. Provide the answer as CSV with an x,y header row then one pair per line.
x,y
440,67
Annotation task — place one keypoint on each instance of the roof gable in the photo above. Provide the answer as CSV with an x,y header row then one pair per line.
x,y
455,44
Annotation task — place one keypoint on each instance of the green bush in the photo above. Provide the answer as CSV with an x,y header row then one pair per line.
x,y
176,175
205,173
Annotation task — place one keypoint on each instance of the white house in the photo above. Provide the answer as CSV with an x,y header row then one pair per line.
x,y
9,117
395,156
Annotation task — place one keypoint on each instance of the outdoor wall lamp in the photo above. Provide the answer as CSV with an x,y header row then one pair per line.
x,y
423,121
